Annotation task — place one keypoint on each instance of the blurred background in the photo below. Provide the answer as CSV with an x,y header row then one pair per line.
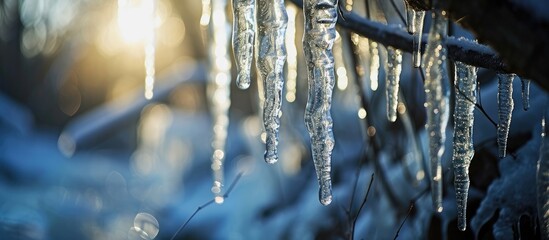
x,y
83,154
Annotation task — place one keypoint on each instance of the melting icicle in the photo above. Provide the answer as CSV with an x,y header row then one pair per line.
x,y
393,69
291,78
543,180
465,86
437,101
525,83
374,65
272,20
219,89
150,48
318,40
243,39
505,110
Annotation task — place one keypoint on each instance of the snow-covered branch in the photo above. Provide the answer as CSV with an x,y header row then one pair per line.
x,y
518,30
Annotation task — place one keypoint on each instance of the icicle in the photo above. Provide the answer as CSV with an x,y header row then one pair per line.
x,y
150,48
543,180
392,69
505,110
341,72
219,89
525,83
374,65
318,40
415,27
272,20
291,77
418,32
465,86
437,101
243,39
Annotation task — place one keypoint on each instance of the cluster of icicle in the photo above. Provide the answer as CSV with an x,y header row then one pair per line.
x,y
437,105
262,24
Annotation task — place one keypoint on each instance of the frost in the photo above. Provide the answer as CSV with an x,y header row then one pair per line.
x,y
272,21
505,110
437,102
243,39
393,70
465,86
320,34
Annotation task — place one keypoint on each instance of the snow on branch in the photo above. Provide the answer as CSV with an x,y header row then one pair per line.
x,y
461,50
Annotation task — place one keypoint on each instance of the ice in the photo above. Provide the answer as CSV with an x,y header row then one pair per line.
x,y
415,27
150,48
291,77
219,87
374,65
318,40
505,110
272,21
542,180
243,39
465,87
393,68
437,101
525,83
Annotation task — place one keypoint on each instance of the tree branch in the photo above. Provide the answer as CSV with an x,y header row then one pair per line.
x,y
520,38
514,30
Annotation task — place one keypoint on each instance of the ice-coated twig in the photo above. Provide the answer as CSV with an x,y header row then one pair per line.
x,y
393,68
291,74
465,85
505,110
272,20
219,89
542,180
525,85
243,39
318,40
437,101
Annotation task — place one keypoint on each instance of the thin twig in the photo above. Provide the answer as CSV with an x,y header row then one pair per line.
x,y
226,195
361,206
404,221
478,106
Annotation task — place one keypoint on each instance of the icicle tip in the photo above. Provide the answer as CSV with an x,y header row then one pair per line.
x,y
243,81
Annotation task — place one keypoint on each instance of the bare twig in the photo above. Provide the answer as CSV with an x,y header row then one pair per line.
x,y
361,206
226,195
404,221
